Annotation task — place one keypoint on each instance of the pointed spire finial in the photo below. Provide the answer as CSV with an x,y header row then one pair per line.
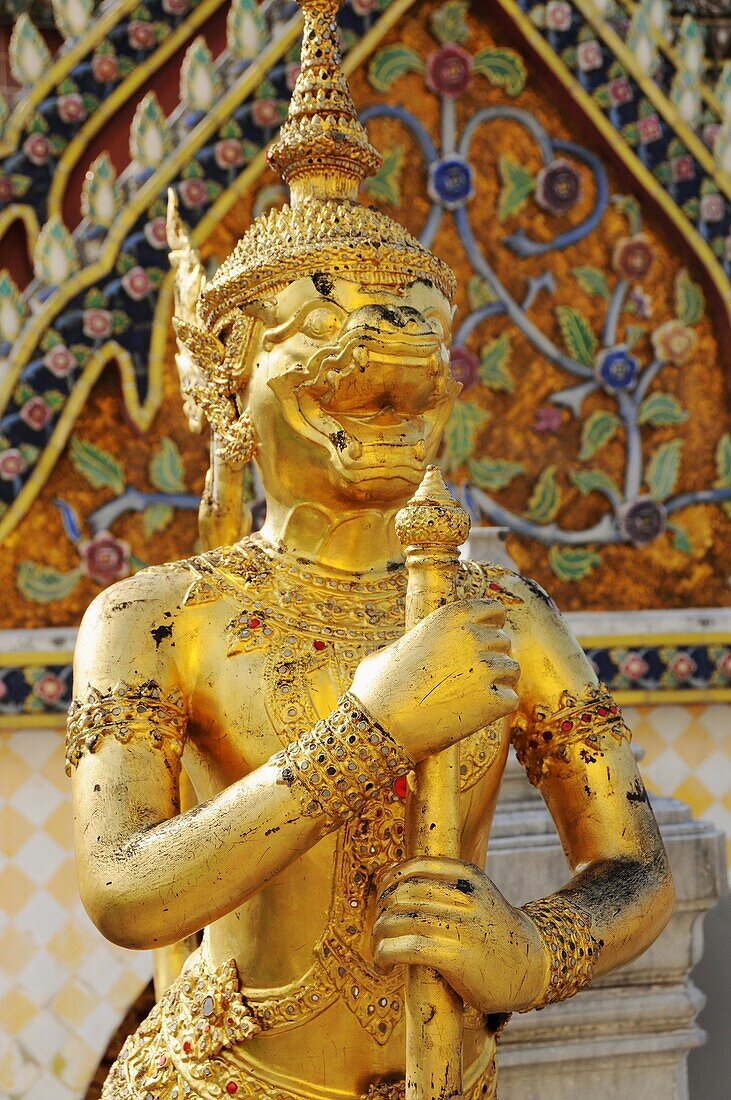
x,y
323,149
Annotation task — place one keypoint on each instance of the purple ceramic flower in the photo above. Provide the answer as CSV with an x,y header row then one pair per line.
x,y
633,257
558,187
464,365
449,71
642,521
104,559
547,419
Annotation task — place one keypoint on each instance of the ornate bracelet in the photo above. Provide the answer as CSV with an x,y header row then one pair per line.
x,y
544,740
342,762
565,929
129,712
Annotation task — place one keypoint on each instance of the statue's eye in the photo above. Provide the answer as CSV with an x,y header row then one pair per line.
x,y
321,323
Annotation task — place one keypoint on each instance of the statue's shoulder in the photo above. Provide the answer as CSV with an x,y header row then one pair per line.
x,y
488,580
227,571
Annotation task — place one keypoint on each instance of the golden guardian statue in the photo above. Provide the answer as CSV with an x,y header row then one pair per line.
x,y
343,710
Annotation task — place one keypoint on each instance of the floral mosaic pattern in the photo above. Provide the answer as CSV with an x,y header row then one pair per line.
x,y
631,370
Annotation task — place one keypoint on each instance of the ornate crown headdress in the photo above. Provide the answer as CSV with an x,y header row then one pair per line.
x,y
323,153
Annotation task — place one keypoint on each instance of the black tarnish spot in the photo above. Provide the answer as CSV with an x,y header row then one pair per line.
x,y
339,440
465,886
97,787
638,794
159,633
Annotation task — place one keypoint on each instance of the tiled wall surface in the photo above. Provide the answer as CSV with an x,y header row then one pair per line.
x,y
64,990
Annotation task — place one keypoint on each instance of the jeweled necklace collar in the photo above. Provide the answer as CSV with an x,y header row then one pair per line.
x,y
313,574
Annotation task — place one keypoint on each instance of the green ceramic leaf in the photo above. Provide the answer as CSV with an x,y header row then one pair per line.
x,y
493,473
41,584
100,469
459,437
156,518
517,186
589,481
663,469
597,430
680,539
391,63
661,410
592,281
690,304
628,205
633,335
479,293
580,341
545,499
167,472
572,563
503,68
449,23
385,186
494,371
723,468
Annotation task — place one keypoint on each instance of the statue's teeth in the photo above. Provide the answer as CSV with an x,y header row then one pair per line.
x,y
420,450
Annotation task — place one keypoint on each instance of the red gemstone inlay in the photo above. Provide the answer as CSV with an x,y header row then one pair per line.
x,y
186,1047
253,623
319,644
400,786
162,1060
603,711
567,725
614,710
232,1087
586,717
494,587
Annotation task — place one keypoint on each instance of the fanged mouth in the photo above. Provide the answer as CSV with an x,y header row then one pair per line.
x,y
378,392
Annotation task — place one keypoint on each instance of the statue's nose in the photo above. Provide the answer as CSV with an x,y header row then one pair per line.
x,y
391,320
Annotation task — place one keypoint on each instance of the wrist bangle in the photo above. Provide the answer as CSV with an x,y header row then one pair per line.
x,y
565,929
342,762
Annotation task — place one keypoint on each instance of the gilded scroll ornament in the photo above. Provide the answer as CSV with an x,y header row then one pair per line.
x,y
542,742
573,951
342,762
127,712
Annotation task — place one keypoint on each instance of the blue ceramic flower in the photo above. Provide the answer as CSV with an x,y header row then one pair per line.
x,y
451,182
617,369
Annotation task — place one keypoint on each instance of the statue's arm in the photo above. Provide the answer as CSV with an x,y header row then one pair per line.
x,y
576,749
148,875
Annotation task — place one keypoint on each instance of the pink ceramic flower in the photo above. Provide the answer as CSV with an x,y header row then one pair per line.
x,y
71,108
156,233
547,419
364,7
12,464
682,168
192,192
449,71
36,413
265,112
633,257
59,361
6,189
37,148
674,342
104,559
682,666
634,667
228,153
558,15
49,687
649,129
589,55
713,208
141,35
104,68
620,92
175,7
137,283
97,323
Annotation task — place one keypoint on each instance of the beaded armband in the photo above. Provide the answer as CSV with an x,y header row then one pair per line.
x,y
565,929
342,762
128,712
543,740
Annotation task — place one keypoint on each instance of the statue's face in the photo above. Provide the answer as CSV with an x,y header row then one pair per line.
x,y
350,390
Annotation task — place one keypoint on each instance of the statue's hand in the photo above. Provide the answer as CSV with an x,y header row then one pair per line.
x,y
448,915
448,677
